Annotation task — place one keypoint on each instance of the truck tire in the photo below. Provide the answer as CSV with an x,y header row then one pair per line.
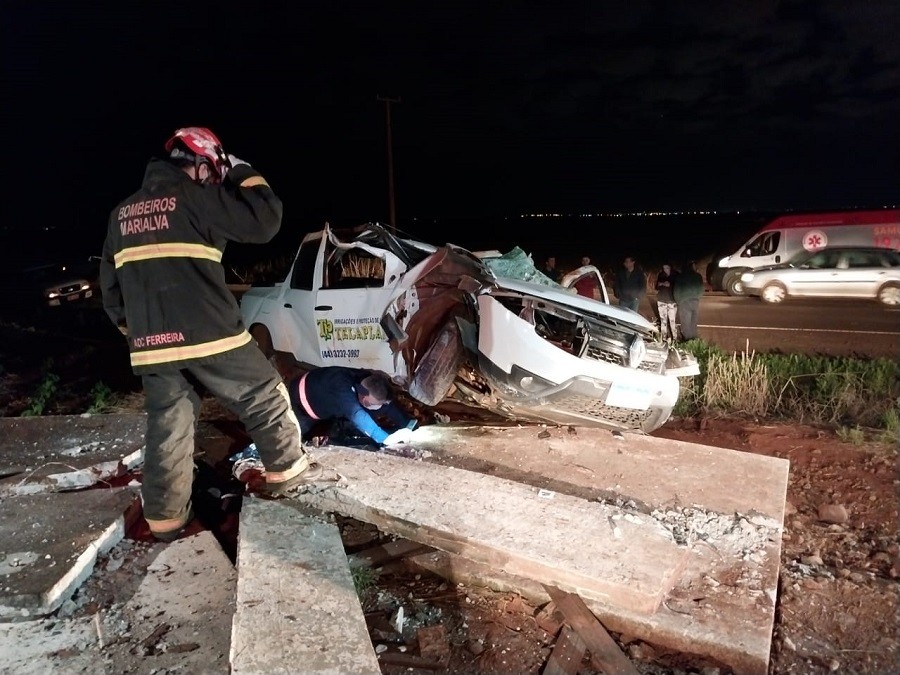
x,y
732,282
437,370
263,339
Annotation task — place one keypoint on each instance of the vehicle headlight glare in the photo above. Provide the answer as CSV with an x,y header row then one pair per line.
x,y
747,276
724,261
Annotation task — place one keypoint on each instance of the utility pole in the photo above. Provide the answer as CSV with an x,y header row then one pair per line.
x,y
392,219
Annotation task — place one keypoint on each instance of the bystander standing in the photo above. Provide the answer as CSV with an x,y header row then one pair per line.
x,y
665,303
551,271
630,284
688,289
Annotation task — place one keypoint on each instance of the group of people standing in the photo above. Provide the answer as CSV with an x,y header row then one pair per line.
x,y
678,297
678,293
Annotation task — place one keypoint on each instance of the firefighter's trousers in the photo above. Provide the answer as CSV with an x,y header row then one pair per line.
x,y
245,383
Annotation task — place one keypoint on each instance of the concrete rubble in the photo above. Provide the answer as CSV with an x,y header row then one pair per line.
x,y
650,533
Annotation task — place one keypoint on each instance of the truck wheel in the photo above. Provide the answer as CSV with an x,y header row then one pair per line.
x,y
437,369
774,292
889,294
733,284
263,339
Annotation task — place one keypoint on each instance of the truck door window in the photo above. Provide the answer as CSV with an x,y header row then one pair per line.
x,y
764,244
305,265
353,268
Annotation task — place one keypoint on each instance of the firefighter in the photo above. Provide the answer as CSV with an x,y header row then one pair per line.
x,y
163,286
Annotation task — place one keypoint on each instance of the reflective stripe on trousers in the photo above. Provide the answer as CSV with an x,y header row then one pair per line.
x,y
247,384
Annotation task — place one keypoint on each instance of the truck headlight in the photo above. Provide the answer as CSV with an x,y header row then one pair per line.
x,y
747,276
724,261
637,351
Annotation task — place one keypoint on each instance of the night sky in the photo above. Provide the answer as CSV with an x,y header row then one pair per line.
x,y
504,108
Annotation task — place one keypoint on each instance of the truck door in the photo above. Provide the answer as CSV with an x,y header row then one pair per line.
x,y
356,287
296,323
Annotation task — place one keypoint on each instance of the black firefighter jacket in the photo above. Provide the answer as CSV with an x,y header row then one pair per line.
x,y
161,273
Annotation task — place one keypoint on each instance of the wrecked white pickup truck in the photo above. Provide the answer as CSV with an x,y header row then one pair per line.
x,y
446,323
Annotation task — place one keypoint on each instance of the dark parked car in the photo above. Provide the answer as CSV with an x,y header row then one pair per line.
x,y
41,288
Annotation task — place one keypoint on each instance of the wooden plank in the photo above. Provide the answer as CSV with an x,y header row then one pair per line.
x,y
408,661
567,655
378,555
605,653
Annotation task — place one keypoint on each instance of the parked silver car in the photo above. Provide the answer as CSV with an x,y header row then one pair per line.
x,y
835,272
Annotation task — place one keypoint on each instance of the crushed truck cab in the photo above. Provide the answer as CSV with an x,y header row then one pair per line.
x,y
488,330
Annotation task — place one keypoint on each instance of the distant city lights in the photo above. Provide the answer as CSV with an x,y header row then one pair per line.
x,y
620,215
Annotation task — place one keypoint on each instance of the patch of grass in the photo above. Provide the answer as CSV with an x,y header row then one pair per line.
x,y
891,422
364,578
691,399
853,435
102,399
46,390
836,391
737,383
365,581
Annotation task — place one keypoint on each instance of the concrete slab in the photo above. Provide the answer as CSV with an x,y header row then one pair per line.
x,y
189,589
66,452
723,606
49,543
582,547
33,647
297,608
651,471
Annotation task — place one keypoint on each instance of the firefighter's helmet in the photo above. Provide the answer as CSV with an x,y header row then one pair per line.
x,y
203,144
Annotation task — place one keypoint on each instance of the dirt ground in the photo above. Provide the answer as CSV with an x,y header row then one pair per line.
x,y
838,597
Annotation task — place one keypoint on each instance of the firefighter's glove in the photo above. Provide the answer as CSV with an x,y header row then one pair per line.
x,y
234,161
403,435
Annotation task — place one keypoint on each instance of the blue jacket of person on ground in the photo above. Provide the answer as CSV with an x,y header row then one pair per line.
x,y
354,394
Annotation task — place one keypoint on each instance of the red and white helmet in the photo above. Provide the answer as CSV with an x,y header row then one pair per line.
x,y
203,143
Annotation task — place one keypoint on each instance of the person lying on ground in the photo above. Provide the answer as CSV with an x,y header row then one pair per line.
x,y
358,395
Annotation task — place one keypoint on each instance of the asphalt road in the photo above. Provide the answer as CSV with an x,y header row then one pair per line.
x,y
823,326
